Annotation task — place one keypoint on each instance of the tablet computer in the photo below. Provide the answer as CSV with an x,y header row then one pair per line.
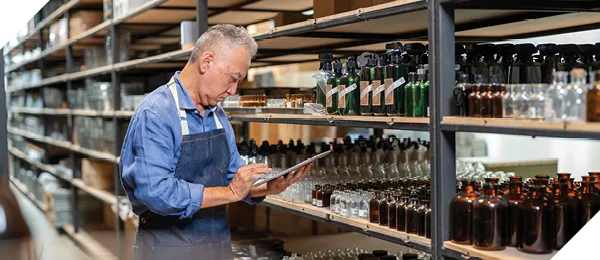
x,y
288,170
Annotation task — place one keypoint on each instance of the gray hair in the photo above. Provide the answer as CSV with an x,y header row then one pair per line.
x,y
224,37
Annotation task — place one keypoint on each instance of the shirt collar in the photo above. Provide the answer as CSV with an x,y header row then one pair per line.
x,y
185,101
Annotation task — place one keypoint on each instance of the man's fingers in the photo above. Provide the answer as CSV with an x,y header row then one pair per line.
x,y
261,170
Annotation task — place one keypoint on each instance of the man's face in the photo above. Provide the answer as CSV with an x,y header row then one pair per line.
x,y
223,77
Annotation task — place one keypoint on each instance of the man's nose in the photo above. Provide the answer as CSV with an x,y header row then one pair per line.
x,y
231,90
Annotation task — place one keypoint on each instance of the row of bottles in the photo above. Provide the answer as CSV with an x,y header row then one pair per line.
x,y
559,101
394,84
361,254
537,216
519,64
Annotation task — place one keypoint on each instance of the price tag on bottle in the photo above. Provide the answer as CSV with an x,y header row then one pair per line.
x,y
314,202
344,212
329,94
387,83
377,89
365,88
395,85
341,98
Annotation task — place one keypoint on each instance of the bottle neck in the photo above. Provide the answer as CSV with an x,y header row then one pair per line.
x,y
515,188
469,188
490,191
587,187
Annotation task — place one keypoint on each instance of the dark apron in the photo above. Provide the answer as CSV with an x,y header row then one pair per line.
x,y
204,160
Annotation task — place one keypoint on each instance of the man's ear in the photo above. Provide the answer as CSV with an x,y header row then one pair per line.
x,y
206,61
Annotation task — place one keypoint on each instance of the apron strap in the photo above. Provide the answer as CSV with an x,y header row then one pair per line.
x,y
182,115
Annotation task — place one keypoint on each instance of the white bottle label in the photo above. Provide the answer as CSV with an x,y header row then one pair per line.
x,y
354,212
363,213
334,208
319,203
314,202
344,212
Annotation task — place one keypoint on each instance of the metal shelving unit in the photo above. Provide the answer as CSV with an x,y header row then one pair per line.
x,y
440,22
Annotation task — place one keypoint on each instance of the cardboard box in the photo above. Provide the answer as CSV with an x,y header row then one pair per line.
x,y
289,18
98,174
84,20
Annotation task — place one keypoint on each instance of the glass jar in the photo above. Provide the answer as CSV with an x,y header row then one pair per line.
x,y
522,102
461,208
374,208
508,102
514,198
537,225
554,97
536,102
566,215
576,93
383,209
490,219
593,101
589,202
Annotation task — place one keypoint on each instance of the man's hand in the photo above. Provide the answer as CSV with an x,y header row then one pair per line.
x,y
278,185
244,178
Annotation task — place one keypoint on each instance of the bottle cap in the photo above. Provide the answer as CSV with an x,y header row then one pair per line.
x,y
326,57
415,48
388,257
379,253
337,65
526,49
569,49
409,256
393,47
507,49
548,49
587,49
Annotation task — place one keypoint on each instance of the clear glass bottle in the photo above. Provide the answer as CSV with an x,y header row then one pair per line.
x,y
554,98
353,205
343,204
508,102
576,93
521,110
363,210
536,102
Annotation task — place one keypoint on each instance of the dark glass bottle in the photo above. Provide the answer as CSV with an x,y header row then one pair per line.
x,y
461,208
474,101
332,90
383,209
325,60
321,196
374,208
379,73
427,218
566,212
401,212
411,214
366,89
514,198
349,92
537,225
596,179
397,74
593,101
392,204
589,202
490,220
421,93
460,96
314,194
497,91
421,211
409,94
486,100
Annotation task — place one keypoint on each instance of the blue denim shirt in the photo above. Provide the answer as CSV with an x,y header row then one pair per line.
x,y
152,148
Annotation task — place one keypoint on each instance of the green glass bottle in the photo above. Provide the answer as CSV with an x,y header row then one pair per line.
x,y
409,96
419,97
332,90
366,89
379,73
395,80
325,78
348,99
424,96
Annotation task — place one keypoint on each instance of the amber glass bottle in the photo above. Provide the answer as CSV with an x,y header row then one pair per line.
x,y
490,220
401,212
514,198
383,209
411,214
537,226
392,211
461,208
314,194
596,178
497,99
589,202
593,101
475,102
427,218
421,211
566,210
374,208
486,101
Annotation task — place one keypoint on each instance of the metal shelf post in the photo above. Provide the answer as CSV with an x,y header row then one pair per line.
x,y
443,175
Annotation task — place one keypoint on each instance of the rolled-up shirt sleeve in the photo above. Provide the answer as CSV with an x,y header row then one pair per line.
x,y
236,160
153,170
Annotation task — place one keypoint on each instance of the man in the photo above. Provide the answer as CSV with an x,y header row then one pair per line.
x,y
179,162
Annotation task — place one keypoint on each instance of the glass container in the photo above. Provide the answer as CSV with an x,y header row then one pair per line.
x,y
486,101
374,208
514,198
490,220
575,99
383,209
460,96
537,225
554,97
392,203
593,101
411,214
366,89
461,208
536,102
566,212
349,93
401,212
521,105
474,102
508,102
379,73
589,202
409,94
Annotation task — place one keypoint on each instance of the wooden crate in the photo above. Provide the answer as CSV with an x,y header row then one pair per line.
x,y
98,174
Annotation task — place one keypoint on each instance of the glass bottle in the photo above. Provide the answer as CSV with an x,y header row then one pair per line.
x,y
474,102
363,211
593,101
397,74
497,99
374,208
411,214
321,196
343,204
392,203
514,198
324,77
421,93
427,218
490,220
379,73
460,96
508,102
554,97
401,212
348,97
536,102
409,94
566,212
314,194
332,91
332,201
383,209
589,202
486,100
366,89
537,225
576,93
461,208
421,210
596,179
522,102
353,204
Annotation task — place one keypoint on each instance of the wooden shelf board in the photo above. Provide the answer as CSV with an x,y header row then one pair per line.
x,y
504,122
92,247
508,253
105,196
23,189
95,154
45,167
333,118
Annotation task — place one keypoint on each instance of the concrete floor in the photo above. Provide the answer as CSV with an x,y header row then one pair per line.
x,y
50,245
